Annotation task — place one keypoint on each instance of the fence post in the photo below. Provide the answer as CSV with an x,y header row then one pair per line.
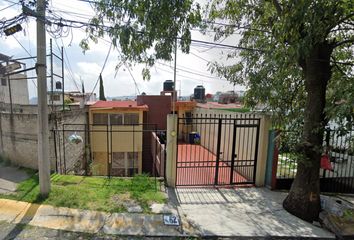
x,y
171,150
262,150
270,171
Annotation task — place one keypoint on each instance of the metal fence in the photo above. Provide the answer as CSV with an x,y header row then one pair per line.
x,y
106,150
216,150
337,162
158,152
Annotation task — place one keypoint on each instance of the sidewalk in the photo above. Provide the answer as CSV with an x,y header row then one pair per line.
x,y
60,218
10,177
242,212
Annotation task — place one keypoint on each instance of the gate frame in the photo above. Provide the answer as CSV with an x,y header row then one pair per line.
x,y
235,125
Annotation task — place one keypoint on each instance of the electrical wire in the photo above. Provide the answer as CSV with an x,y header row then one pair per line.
x,y
103,67
190,72
8,7
69,65
28,54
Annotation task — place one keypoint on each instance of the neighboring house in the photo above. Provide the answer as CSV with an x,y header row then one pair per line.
x,y
116,137
185,110
13,88
159,108
76,96
55,97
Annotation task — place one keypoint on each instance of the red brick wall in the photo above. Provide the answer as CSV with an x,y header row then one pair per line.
x,y
159,107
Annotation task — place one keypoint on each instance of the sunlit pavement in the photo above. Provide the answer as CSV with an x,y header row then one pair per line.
x,y
247,212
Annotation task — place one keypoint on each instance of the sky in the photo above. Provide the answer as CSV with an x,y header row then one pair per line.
x,y
85,67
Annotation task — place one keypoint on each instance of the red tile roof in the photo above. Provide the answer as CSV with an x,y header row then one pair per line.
x,y
119,104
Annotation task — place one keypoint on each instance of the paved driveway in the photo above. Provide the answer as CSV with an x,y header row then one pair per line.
x,y
10,177
246,212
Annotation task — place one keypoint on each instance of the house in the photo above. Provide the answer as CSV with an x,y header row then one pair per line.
x,y
55,97
116,132
13,87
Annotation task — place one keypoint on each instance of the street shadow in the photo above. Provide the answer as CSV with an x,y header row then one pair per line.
x,y
26,218
13,174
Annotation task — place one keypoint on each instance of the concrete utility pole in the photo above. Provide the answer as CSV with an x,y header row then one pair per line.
x,y
43,129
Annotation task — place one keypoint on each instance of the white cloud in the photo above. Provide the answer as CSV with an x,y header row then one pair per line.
x,y
88,66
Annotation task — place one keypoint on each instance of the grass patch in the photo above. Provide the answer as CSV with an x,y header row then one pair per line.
x,y
92,193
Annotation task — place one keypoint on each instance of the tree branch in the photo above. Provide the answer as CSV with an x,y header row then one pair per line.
x,y
344,42
343,63
277,7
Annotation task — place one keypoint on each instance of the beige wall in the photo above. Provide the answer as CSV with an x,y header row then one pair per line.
x,y
123,141
171,149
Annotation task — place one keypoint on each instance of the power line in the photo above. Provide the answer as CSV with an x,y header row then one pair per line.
x,y
196,55
68,65
28,54
8,7
191,78
11,2
190,72
103,67
61,23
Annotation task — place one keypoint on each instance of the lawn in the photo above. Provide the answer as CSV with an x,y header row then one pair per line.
x,y
92,193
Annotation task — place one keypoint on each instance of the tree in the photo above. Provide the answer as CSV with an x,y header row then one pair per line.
x,y
102,97
297,57
144,31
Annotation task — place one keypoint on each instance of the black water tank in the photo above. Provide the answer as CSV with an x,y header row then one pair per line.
x,y
199,93
168,85
57,85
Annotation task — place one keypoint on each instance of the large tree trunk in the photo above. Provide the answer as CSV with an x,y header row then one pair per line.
x,y
303,200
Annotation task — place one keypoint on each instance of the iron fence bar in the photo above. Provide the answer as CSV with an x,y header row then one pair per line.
x,y
218,152
107,149
85,150
233,154
64,149
110,159
217,118
252,147
177,151
256,154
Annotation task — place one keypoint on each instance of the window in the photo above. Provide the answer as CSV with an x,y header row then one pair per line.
x,y
54,97
100,118
131,118
3,82
125,164
116,119
118,160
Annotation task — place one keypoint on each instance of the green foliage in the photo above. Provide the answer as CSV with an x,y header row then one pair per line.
x,y
92,193
276,38
144,30
67,101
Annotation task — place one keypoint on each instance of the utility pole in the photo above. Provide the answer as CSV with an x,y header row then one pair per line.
x,y
43,129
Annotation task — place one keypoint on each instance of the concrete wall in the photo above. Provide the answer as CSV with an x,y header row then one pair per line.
x,y
159,108
171,148
18,135
19,90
